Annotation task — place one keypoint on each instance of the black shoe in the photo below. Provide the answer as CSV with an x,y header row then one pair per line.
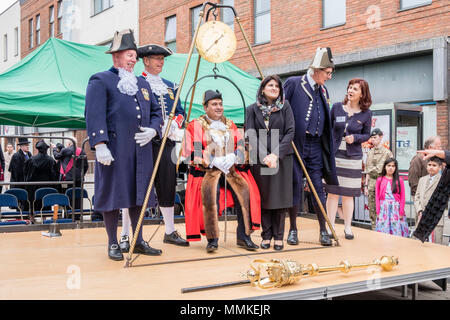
x,y
265,245
176,239
324,239
278,246
348,236
212,246
124,244
292,238
247,244
144,248
114,252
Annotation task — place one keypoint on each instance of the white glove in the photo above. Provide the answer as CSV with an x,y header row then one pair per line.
x,y
103,154
173,126
229,160
144,137
219,163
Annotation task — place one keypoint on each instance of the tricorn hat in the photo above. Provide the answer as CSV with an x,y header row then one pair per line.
x,y
153,49
211,94
23,141
123,40
322,59
376,132
41,145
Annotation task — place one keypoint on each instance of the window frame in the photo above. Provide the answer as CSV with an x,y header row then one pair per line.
x,y
16,44
51,21
168,42
30,33
102,7
414,6
59,17
221,16
5,49
38,29
339,24
259,14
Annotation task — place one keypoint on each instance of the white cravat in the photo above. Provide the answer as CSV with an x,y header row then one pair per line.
x,y
127,83
157,84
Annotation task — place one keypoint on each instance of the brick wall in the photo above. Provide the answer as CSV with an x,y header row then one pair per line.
x,y
296,27
442,111
29,10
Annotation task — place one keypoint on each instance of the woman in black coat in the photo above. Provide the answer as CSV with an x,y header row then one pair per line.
x,y
270,129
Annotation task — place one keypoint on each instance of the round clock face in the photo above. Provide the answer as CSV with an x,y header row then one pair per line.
x,y
216,42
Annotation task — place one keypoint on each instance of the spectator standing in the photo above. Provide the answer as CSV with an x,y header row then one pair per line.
x,y
66,164
390,201
8,155
2,168
40,167
418,166
425,188
18,160
374,166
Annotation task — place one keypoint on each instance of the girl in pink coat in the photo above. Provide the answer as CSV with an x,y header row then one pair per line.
x,y
390,201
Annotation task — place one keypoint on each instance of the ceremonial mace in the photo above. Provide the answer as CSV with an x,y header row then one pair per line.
x,y
163,143
285,272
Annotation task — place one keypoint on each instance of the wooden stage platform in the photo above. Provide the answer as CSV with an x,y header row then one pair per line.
x,y
76,266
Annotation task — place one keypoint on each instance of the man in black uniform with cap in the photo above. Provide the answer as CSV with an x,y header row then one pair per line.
x,y
164,92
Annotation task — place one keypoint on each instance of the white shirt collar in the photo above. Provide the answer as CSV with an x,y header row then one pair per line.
x,y
310,81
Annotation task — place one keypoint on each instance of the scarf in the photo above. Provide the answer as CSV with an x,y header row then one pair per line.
x,y
127,83
156,83
266,110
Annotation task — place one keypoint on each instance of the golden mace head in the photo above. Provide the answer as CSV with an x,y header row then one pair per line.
x,y
267,274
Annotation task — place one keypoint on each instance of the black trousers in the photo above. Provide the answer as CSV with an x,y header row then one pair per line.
x,y
166,177
272,222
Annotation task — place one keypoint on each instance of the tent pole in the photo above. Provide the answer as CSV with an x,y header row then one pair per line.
x,y
189,111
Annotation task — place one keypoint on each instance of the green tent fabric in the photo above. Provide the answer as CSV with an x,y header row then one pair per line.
x,y
47,88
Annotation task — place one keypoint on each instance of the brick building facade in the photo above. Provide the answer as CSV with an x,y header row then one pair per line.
x,y
399,46
39,20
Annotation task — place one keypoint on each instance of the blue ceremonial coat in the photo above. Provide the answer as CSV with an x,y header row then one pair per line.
x,y
114,118
168,99
297,91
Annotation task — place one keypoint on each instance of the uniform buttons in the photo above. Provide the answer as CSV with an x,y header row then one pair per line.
x,y
101,131
135,99
139,116
137,107
93,134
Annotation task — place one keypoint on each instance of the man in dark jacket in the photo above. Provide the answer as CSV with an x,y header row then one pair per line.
x,y
40,167
66,164
310,104
18,160
16,166
2,163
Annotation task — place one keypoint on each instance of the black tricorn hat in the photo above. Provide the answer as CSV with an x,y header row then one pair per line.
x,y
153,49
211,94
41,145
23,141
123,40
376,132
